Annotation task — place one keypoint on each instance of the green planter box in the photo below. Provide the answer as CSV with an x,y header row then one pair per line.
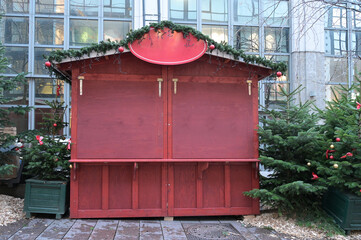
x,y
344,208
46,197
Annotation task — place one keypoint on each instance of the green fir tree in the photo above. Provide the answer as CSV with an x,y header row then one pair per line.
x,y
290,145
48,154
6,140
340,166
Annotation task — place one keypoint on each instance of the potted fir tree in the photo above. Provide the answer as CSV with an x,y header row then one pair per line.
x,y
46,160
340,168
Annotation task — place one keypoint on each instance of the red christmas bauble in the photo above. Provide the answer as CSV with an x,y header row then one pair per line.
x,y
121,49
212,47
55,125
331,157
48,64
279,74
338,139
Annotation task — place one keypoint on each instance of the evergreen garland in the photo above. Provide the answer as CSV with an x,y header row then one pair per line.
x,y
104,46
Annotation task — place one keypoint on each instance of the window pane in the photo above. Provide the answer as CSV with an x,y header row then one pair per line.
x,y
335,42
336,17
332,90
19,122
18,95
276,12
215,10
46,89
246,38
50,6
280,59
116,30
217,33
17,59
336,70
273,96
84,8
118,8
39,63
83,32
15,6
40,113
15,30
246,11
356,43
183,10
357,69
356,17
276,40
49,31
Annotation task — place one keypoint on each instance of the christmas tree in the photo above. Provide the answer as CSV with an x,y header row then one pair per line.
x,y
6,140
290,146
49,152
340,166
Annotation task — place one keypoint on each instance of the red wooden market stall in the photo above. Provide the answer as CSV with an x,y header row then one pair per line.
x,y
166,129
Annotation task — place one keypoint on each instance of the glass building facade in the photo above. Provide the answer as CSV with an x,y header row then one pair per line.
x,y
30,29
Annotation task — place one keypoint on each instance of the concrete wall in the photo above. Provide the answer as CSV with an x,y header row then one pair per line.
x,y
308,51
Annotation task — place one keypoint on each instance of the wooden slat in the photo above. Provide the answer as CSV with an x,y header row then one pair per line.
x,y
227,182
135,187
170,189
117,160
10,229
105,187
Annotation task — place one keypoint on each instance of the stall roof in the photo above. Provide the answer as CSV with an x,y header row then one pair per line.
x,y
111,48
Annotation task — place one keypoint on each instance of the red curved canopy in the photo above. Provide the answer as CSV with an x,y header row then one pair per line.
x,y
168,48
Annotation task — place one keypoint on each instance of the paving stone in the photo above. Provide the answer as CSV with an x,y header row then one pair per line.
x,y
127,230
150,231
9,230
81,229
56,230
104,229
263,233
243,231
32,230
173,230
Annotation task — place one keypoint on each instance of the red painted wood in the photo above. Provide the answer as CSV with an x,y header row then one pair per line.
x,y
124,118
115,160
240,175
212,121
182,169
150,185
135,186
120,186
105,187
168,47
184,185
90,187
227,183
74,183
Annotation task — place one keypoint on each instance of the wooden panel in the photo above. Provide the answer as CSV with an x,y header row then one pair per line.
x,y
120,120
120,186
90,187
150,185
213,186
212,120
241,181
185,185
